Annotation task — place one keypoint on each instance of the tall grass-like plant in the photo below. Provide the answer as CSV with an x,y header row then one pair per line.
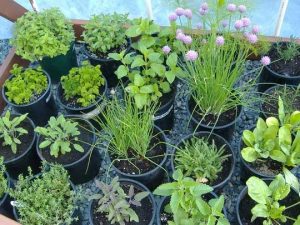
x,y
127,128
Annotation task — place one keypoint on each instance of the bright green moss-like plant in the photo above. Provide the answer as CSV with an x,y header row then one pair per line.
x,y
45,199
83,83
25,85
61,135
116,204
10,130
200,159
38,35
3,180
105,32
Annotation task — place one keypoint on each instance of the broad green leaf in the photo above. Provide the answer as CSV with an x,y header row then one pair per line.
x,y
122,71
203,206
45,144
281,113
133,31
248,138
177,175
200,190
278,156
141,195
137,62
172,60
165,189
249,154
139,80
158,68
170,76
260,210
141,100
258,190
114,56
174,202
272,121
147,89
78,148
292,180
295,118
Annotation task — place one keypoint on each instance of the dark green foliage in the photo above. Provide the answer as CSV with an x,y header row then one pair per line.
x,y
47,33
290,51
116,203
83,83
25,84
3,180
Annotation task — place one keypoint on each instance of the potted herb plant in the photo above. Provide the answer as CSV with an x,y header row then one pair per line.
x,y
48,37
5,184
122,201
187,201
272,145
29,91
285,66
105,34
17,140
47,198
136,147
205,157
82,89
289,94
70,141
150,71
268,202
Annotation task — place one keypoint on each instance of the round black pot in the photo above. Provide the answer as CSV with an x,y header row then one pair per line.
x,y
60,65
81,110
41,109
165,200
76,212
141,187
293,196
20,164
269,78
154,177
219,141
87,167
226,131
108,66
5,206
164,117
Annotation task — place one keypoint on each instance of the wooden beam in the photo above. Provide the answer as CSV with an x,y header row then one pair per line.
x,y
11,10
77,25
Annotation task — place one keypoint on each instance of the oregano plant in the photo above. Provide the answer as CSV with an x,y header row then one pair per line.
x,y
3,179
61,135
83,83
25,85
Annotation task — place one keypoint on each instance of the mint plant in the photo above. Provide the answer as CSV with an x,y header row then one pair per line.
x,y
11,131
44,34
199,159
45,199
116,204
275,139
61,135
104,33
268,199
3,179
187,204
83,84
25,85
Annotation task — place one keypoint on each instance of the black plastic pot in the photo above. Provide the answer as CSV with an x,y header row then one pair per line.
x,y
5,206
60,65
140,186
39,110
164,117
20,164
219,142
226,131
293,194
87,167
269,78
154,177
165,200
108,66
81,110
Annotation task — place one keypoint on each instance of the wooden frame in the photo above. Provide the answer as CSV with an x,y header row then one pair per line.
x,y
12,11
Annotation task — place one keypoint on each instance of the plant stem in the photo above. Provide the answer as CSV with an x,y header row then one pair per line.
x,y
291,206
290,218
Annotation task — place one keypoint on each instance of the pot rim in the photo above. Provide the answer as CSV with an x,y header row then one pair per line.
x,y
9,185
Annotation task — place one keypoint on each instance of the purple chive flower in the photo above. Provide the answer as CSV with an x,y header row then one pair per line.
x,y
255,29
238,24
179,31
179,11
242,8
166,49
180,36
220,41
203,12
246,22
204,6
188,13
199,25
225,23
173,17
231,7
187,40
265,60
191,55
252,38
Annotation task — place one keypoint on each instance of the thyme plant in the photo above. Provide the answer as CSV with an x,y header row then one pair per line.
x,y
3,179
288,52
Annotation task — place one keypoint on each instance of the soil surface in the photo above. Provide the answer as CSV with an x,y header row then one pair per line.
x,y
156,154
289,68
25,139
85,140
144,212
102,55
